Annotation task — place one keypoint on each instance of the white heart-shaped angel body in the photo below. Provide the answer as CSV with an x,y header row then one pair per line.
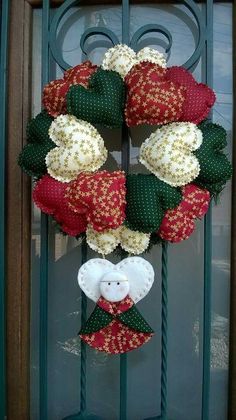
x,y
115,326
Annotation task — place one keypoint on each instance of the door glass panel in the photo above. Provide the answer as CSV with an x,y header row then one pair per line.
x,y
185,260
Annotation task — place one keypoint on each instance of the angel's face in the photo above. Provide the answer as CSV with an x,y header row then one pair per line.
x,y
114,286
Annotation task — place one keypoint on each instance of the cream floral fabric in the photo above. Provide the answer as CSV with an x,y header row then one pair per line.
x,y
121,58
106,242
79,148
168,153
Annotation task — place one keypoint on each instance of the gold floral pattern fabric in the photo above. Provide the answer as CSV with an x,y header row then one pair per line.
x,y
79,148
168,153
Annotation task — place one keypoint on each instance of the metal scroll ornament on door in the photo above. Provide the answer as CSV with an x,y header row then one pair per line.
x,y
65,155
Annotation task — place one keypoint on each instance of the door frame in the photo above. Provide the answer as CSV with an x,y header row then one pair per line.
x,y
18,226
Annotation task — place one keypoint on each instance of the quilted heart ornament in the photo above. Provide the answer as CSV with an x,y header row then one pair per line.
x,y
168,153
49,196
32,157
122,58
116,326
148,199
79,148
199,97
102,102
215,166
103,193
178,224
151,97
133,242
54,93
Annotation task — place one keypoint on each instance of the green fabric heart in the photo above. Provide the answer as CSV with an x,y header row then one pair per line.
x,y
147,200
32,157
216,169
102,102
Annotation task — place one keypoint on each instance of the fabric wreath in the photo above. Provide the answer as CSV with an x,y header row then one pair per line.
x,y
178,224
54,93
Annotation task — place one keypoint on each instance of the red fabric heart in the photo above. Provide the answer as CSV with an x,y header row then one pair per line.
x,y
54,94
199,97
103,194
152,98
178,224
49,196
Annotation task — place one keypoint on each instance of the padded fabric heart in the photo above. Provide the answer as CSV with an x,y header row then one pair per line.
x,y
54,94
148,198
168,153
103,101
216,169
152,98
133,242
178,224
80,148
103,193
199,97
122,58
49,196
32,157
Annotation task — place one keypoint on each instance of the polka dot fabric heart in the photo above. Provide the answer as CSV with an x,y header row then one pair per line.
x,y
49,196
54,94
178,224
184,154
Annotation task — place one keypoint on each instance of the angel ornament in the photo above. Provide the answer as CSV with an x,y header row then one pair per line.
x,y
116,326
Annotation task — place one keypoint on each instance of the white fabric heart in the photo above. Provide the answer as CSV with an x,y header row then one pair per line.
x,y
131,241
122,58
137,270
79,148
168,153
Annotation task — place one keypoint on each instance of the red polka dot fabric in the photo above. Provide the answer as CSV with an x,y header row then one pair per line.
x,y
54,94
199,97
151,97
49,196
178,224
103,194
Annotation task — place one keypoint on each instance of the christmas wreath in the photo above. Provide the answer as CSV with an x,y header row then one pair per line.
x,y
184,154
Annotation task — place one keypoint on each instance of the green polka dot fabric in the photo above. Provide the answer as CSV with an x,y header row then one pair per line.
x,y
32,157
215,168
134,320
97,320
147,200
102,102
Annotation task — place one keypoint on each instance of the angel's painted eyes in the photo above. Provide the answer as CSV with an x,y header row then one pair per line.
x,y
118,283
109,284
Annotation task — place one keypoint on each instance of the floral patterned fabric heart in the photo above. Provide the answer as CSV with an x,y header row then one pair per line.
x,y
54,94
103,193
79,148
178,224
151,97
49,196
168,153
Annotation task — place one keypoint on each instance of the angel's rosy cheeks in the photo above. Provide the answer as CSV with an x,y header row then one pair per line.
x,y
114,286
